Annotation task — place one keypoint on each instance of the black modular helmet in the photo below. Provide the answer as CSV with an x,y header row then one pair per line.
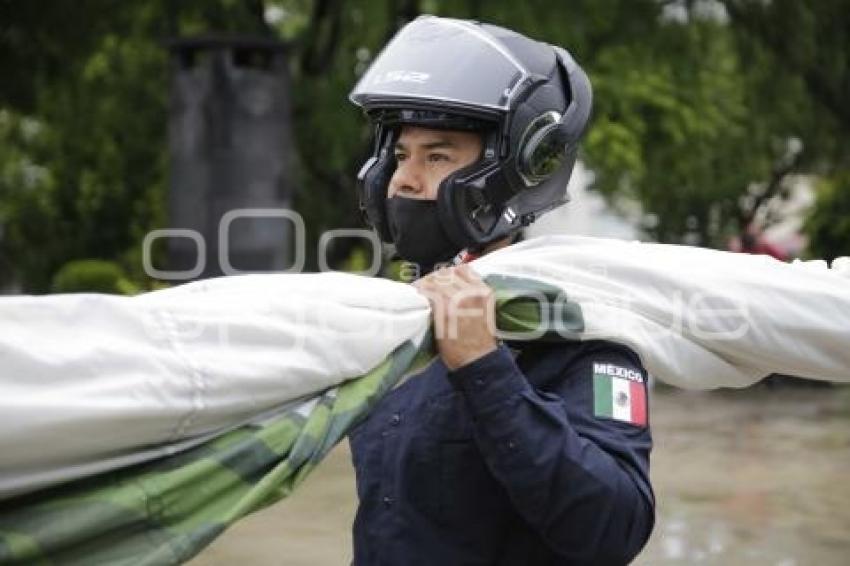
x,y
530,101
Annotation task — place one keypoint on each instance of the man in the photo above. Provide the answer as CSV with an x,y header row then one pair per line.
x,y
496,453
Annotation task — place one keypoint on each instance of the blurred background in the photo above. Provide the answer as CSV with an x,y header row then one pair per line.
x,y
717,123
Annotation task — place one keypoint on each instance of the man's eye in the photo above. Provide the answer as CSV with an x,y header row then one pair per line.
x,y
435,157
400,157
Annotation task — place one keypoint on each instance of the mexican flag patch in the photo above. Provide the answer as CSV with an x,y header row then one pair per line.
x,y
619,393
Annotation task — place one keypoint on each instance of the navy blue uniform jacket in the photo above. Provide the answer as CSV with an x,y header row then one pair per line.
x,y
503,462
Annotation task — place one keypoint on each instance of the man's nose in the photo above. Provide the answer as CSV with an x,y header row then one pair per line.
x,y
406,181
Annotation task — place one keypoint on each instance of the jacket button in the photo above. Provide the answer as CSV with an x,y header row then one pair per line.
x,y
388,501
395,419
479,382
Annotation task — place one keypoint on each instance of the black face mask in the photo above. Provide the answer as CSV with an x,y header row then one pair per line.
x,y
416,230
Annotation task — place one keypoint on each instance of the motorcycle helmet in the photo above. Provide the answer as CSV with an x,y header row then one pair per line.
x,y
530,102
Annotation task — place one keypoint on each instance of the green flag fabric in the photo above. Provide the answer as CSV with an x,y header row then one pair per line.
x,y
168,510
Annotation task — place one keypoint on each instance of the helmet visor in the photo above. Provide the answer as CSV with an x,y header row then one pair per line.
x,y
440,61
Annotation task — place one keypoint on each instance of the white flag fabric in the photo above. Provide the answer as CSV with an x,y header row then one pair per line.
x,y
92,382
95,382
698,318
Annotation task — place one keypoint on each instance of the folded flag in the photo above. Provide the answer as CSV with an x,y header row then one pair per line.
x,y
137,429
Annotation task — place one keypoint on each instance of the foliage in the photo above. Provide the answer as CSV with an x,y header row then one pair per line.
x,y
829,224
671,133
98,147
797,55
92,276
24,186
703,109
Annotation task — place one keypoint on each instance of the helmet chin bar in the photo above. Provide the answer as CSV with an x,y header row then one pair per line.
x,y
471,201
467,199
477,207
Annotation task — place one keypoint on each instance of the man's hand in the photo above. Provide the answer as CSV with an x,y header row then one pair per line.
x,y
463,308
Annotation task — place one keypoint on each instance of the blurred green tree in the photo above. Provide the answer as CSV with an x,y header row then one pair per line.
x,y
806,46
704,108
89,87
92,276
828,226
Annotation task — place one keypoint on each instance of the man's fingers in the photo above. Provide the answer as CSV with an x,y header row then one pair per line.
x,y
465,272
460,302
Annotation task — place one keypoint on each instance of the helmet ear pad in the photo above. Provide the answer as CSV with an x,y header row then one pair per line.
x,y
551,139
374,182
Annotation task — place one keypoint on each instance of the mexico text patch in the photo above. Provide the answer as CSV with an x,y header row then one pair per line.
x,y
619,393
